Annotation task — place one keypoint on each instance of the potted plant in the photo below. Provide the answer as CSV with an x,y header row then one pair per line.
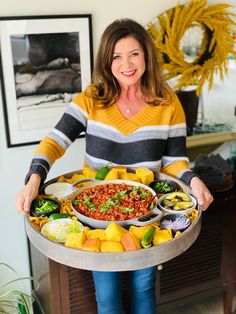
x,y
13,300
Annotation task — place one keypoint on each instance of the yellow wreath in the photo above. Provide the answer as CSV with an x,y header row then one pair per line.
x,y
217,42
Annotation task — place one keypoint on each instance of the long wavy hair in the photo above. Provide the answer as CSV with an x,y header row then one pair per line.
x,y
106,87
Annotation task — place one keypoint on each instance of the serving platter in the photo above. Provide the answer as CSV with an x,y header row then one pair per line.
x,y
124,261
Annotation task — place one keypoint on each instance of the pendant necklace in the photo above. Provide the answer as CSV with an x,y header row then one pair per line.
x,y
127,109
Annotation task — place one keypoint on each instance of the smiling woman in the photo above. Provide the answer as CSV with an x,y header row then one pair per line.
x,y
152,136
128,66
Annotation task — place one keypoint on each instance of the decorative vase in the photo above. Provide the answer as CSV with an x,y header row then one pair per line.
x,y
189,101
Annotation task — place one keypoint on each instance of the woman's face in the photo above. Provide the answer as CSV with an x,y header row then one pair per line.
x,y
128,63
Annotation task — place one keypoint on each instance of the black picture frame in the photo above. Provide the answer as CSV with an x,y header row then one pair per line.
x,y
45,62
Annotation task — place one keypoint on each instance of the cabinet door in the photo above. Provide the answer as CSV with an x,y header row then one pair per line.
x,y
199,268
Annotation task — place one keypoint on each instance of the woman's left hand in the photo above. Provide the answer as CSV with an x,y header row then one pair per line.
x,y
201,192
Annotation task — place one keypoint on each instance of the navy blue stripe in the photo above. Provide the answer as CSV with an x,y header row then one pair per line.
x,y
70,126
126,153
176,147
42,162
40,170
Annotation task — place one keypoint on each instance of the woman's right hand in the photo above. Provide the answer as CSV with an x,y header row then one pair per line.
x,y
25,197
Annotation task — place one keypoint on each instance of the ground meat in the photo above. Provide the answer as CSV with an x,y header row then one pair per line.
x,y
112,201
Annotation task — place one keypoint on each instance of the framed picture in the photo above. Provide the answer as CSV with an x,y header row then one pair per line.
x,y
45,62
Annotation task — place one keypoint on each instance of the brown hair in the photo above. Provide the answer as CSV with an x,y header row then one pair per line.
x,y
107,87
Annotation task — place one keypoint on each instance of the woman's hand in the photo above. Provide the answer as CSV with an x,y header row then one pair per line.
x,y
25,197
201,192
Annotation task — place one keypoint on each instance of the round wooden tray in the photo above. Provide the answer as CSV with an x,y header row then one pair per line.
x,y
116,261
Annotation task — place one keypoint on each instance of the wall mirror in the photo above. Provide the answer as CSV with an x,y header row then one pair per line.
x,y
192,43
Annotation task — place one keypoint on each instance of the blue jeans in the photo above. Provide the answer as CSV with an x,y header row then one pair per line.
x,y
108,291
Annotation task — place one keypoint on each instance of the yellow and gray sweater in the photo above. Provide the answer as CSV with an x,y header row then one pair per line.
x,y
154,138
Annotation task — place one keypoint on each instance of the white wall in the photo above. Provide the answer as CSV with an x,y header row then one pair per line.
x,y
219,104
14,162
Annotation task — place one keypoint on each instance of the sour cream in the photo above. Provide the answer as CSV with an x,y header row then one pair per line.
x,y
59,189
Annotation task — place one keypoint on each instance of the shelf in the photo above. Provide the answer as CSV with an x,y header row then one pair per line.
x,y
210,138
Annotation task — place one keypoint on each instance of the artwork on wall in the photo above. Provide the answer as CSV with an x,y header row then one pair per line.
x,y
45,62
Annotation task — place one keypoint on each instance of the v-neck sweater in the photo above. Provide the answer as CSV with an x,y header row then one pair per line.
x,y
155,137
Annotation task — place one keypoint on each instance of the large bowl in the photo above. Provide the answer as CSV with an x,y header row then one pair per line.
x,y
153,216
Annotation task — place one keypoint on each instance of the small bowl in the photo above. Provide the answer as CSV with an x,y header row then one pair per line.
x,y
55,207
164,186
177,202
175,222
59,189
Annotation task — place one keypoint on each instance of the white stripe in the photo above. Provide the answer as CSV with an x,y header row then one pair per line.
x,y
162,128
98,163
109,133
157,128
61,139
177,130
167,160
102,125
62,136
78,113
44,157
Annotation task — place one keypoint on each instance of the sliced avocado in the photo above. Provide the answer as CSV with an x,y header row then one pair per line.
x,y
167,203
183,205
185,197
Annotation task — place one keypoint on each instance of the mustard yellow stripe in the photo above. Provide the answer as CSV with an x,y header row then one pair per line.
x,y
49,148
176,168
169,114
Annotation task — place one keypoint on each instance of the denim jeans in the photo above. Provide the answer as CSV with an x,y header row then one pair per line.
x,y
108,291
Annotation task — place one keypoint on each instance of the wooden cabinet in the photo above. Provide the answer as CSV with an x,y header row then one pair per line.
x,y
209,265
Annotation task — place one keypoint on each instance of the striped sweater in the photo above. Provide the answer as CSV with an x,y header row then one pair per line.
x,y
154,138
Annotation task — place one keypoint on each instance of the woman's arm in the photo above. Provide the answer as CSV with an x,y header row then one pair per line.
x,y
201,192
25,197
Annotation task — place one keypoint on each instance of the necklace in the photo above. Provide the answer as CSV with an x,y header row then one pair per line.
x,y
127,109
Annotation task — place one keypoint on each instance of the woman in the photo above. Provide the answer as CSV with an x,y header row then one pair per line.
x,y
132,118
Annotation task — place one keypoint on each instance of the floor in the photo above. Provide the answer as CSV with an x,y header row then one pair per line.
x,y
210,305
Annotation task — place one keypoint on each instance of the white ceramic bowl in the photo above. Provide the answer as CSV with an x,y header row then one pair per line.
x,y
58,229
191,204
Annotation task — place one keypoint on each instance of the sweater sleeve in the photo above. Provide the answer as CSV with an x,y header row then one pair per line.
x,y
175,160
54,145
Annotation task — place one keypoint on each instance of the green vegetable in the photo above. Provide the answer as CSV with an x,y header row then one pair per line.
x,y
162,187
87,202
76,202
104,208
58,216
102,173
44,205
127,210
152,205
146,242
136,190
143,195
